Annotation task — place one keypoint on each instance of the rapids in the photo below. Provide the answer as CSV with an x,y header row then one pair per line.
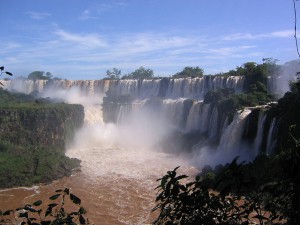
x,y
117,179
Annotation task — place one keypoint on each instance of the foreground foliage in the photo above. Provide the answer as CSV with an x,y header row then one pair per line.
x,y
57,211
265,191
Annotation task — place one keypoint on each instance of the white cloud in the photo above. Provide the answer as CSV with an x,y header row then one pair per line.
x,y
88,40
86,15
228,51
248,36
149,42
38,15
283,33
70,53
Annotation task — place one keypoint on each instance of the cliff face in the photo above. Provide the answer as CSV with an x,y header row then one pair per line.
x,y
32,142
40,126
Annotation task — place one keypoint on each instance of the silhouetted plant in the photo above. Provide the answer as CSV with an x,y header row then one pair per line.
x,y
53,213
192,203
4,71
234,197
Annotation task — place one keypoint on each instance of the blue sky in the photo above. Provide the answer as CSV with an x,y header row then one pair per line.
x,y
81,39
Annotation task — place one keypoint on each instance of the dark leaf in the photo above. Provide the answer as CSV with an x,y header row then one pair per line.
x,y
82,210
23,215
29,208
54,197
6,213
181,177
8,73
75,199
81,219
260,217
48,211
45,222
67,191
59,190
52,205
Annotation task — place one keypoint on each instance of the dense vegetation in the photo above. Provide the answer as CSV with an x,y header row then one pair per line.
x,y
189,72
27,165
28,156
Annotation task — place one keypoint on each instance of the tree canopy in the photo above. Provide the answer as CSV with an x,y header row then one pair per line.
x,y
140,73
114,74
189,72
40,75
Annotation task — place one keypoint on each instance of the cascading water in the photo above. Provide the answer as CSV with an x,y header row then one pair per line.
x,y
271,141
118,167
231,138
260,131
213,124
191,88
120,162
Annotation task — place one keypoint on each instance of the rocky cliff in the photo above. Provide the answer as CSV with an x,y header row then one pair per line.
x,y
49,125
32,142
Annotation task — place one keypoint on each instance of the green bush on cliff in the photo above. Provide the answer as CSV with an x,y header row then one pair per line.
x,y
20,165
33,136
228,102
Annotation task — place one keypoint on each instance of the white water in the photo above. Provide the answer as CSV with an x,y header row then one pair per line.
x,y
260,131
121,162
270,141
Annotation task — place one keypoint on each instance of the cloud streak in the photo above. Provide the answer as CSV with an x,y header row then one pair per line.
x,y
249,36
78,55
38,15
87,15
88,40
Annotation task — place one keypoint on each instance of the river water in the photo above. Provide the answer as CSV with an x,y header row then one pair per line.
x,y
117,179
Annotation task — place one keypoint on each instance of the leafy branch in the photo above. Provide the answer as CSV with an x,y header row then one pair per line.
x,y
4,71
52,214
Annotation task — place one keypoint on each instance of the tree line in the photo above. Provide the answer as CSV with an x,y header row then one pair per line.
x,y
252,70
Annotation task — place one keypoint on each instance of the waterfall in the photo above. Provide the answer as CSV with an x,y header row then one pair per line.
x,y
270,141
191,88
93,114
260,132
176,103
124,112
176,112
193,119
232,135
213,124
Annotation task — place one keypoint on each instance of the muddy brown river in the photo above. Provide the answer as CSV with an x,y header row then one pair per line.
x,y
116,184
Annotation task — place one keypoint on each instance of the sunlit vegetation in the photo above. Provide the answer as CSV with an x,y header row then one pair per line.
x,y
140,73
189,72
26,155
